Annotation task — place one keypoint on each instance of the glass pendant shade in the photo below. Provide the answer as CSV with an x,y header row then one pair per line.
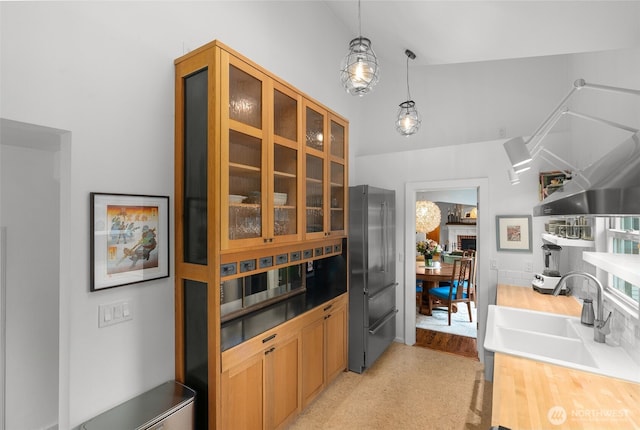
x,y
359,71
428,216
409,120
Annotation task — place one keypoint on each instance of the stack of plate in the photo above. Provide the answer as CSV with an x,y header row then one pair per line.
x,y
279,199
234,198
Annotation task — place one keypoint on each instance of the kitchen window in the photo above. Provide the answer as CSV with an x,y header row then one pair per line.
x,y
623,237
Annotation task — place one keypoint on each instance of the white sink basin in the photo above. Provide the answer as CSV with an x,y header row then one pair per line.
x,y
538,322
555,339
555,348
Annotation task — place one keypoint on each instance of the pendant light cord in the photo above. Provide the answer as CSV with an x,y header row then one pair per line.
x,y
408,93
359,22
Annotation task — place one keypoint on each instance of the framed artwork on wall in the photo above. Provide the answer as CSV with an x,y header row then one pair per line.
x,y
513,233
129,239
551,181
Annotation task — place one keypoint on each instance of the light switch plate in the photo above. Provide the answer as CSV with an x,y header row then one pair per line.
x,y
114,313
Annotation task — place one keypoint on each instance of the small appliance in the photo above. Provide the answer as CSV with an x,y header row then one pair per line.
x,y
546,281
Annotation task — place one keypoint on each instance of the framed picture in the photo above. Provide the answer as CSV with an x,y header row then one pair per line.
x,y
129,239
551,181
513,233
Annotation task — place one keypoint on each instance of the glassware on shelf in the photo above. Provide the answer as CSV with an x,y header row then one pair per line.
x,y
244,222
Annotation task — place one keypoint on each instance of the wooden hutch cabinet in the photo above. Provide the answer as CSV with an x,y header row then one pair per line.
x,y
261,183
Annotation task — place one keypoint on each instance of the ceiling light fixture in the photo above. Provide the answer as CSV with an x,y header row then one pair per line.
x,y
518,154
409,120
514,179
428,216
359,72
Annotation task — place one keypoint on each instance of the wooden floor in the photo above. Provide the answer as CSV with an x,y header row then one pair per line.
x,y
445,342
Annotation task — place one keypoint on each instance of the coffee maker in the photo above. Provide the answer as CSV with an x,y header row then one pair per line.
x,y
546,281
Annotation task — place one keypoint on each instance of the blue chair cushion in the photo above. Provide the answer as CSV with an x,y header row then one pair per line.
x,y
443,293
418,286
447,283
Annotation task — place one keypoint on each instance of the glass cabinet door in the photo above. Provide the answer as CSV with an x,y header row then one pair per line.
x,y
285,194
243,153
245,97
315,194
245,185
337,180
315,176
286,163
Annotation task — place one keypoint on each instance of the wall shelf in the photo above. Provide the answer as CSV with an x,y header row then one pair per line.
x,y
567,242
625,266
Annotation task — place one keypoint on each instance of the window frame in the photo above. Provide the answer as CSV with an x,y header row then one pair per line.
x,y
614,230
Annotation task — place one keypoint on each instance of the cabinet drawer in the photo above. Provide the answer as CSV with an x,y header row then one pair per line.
x,y
247,266
233,356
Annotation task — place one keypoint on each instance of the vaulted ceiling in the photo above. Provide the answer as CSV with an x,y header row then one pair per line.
x,y
484,70
446,32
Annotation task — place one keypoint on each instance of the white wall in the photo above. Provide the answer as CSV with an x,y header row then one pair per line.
x,y
29,209
104,71
464,103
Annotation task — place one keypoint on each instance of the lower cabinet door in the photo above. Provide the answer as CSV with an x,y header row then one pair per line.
x,y
282,389
336,345
312,360
242,395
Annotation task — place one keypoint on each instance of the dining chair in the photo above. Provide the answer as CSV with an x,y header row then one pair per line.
x,y
471,254
473,287
458,290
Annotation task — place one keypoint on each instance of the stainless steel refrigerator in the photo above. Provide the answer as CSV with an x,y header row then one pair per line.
x,y
372,274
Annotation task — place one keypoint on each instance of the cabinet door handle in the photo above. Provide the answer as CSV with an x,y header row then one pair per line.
x,y
270,350
268,338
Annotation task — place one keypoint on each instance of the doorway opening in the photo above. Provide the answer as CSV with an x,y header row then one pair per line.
x,y
412,193
34,183
455,234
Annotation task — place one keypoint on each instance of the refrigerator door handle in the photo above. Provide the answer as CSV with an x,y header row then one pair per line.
x,y
380,323
382,291
383,233
386,236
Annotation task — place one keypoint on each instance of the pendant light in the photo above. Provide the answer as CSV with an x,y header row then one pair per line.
x,y
409,120
359,71
428,216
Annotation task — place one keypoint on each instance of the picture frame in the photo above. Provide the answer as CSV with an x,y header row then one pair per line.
x,y
513,233
549,182
129,239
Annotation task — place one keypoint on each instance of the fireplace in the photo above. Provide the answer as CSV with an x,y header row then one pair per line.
x,y
461,237
467,242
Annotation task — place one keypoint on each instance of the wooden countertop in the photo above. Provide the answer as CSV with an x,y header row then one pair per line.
x,y
528,394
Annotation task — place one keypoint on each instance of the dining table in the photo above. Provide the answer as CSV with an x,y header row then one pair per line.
x,y
431,276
